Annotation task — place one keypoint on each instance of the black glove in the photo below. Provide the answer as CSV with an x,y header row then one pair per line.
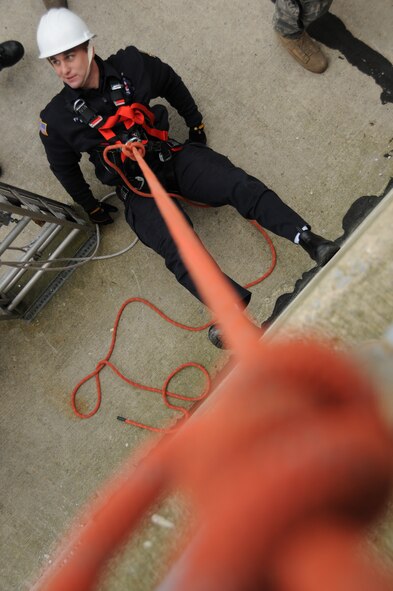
x,y
100,214
197,134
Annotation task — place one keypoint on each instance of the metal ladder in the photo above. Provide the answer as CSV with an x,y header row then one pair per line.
x,y
34,227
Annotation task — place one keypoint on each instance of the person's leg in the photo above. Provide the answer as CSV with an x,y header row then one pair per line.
x,y
145,219
206,176
292,17
290,20
286,18
313,9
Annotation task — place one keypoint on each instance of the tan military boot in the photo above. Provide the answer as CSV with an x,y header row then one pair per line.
x,y
306,52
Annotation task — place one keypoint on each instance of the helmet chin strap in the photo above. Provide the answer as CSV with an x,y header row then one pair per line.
x,y
90,55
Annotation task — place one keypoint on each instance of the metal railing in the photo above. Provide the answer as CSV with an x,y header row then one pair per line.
x,y
33,227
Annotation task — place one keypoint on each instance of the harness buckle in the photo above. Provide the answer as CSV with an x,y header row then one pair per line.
x,y
117,94
134,138
161,149
164,154
87,114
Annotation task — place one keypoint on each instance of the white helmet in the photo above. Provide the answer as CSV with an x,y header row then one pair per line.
x,y
61,29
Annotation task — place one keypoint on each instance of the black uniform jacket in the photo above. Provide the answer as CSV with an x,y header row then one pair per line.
x,y
66,137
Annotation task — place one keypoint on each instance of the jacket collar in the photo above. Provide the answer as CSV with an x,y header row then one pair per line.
x,y
106,71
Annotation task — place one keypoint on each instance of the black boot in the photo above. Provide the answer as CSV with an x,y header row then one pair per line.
x,y
319,249
214,336
10,53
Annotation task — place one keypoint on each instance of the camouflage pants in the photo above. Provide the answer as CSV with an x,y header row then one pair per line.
x,y
292,17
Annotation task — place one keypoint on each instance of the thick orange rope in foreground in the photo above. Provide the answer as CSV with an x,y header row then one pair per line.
x,y
286,465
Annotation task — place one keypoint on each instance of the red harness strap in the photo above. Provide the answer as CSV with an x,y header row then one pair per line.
x,y
129,115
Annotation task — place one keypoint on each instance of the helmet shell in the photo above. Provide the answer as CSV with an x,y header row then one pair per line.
x,y
61,29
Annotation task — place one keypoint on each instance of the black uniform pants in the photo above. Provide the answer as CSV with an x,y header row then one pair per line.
x,y
208,177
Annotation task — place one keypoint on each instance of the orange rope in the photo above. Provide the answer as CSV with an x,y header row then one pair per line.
x,y
285,472
127,149
286,469
163,391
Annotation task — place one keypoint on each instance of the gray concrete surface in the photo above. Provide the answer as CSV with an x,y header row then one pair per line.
x,y
319,141
359,280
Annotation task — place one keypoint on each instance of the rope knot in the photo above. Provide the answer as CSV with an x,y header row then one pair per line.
x,y
101,364
129,150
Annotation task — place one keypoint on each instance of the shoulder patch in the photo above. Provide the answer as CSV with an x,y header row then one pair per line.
x,y
43,127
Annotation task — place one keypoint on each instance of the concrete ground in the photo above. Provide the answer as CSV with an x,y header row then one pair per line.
x,y
320,141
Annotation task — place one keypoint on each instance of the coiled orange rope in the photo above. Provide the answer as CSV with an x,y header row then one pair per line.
x,y
165,393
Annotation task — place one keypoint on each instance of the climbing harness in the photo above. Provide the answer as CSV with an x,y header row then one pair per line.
x,y
120,94
131,123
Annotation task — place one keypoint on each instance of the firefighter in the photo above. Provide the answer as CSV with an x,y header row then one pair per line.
x,y
107,101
